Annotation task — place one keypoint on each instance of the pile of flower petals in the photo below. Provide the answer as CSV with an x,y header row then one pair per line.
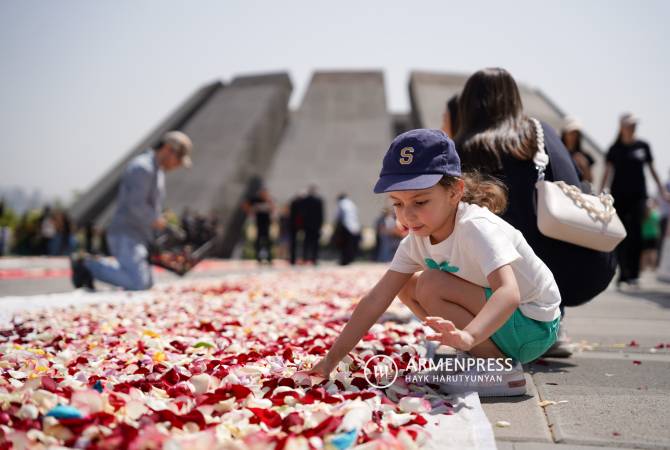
x,y
210,366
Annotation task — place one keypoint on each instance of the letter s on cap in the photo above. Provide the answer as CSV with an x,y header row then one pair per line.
x,y
406,156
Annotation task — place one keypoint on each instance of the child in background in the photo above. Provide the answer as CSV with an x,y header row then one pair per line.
x,y
651,234
464,271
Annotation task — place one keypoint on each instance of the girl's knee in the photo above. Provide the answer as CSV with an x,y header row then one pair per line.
x,y
407,291
427,284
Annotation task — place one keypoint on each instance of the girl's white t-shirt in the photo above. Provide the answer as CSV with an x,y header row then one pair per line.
x,y
481,243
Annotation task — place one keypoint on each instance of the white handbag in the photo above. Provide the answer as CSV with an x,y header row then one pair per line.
x,y
565,213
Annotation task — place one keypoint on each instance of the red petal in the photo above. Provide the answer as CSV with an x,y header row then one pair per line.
x,y
165,415
240,392
417,420
178,390
179,345
279,399
287,382
171,377
270,418
49,384
206,326
116,401
329,425
292,419
360,383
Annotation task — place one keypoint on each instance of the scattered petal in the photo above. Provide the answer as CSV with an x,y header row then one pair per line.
x,y
65,412
544,403
204,344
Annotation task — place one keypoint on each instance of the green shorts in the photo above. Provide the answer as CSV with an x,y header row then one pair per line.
x,y
523,338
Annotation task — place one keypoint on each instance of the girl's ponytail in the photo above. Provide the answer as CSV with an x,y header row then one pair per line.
x,y
481,190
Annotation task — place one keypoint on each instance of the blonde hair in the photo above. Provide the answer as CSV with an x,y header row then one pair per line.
x,y
480,190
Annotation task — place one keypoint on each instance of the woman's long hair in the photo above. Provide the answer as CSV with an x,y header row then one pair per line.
x,y
491,122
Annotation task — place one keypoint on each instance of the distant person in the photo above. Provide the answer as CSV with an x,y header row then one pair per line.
x,y
347,229
450,117
6,222
284,240
89,237
626,160
664,209
651,234
64,242
663,270
571,136
138,215
48,239
5,239
261,207
312,209
497,139
389,235
296,224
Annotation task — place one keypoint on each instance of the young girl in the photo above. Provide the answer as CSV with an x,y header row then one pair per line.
x,y
491,297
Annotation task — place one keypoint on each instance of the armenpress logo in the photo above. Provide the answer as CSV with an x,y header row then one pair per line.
x,y
380,371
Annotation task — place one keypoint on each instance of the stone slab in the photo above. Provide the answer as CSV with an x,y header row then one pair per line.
x,y
609,401
527,419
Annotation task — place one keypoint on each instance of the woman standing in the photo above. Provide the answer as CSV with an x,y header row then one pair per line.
x,y
497,139
626,159
571,136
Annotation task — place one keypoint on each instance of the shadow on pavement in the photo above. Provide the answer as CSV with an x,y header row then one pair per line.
x,y
659,297
549,366
516,399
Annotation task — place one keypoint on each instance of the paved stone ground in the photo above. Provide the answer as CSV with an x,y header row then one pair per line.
x,y
614,391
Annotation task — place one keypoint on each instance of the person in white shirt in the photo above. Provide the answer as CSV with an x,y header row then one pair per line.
x,y
347,229
464,271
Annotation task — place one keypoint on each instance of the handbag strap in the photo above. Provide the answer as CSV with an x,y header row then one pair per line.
x,y
604,215
541,158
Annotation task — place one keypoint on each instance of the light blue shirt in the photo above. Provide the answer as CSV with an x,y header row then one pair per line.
x,y
140,199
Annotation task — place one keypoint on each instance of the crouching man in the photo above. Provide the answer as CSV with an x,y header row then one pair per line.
x,y
137,217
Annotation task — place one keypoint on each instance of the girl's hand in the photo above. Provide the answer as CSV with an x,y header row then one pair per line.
x,y
448,334
322,369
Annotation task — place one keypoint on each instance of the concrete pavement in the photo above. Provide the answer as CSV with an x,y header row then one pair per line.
x,y
613,393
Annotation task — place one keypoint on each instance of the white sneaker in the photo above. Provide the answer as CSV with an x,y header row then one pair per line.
x,y
499,383
562,348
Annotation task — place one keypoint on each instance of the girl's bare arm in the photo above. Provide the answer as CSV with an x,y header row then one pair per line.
x,y
499,307
367,312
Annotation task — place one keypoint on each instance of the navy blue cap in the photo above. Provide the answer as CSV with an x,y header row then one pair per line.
x,y
418,159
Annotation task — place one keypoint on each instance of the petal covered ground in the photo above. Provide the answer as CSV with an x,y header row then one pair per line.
x,y
210,365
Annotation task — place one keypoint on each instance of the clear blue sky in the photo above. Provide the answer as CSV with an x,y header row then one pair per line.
x,y
81,82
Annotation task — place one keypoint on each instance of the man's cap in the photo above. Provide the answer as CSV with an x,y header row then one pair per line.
x,y
418,159
628,119
181,144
